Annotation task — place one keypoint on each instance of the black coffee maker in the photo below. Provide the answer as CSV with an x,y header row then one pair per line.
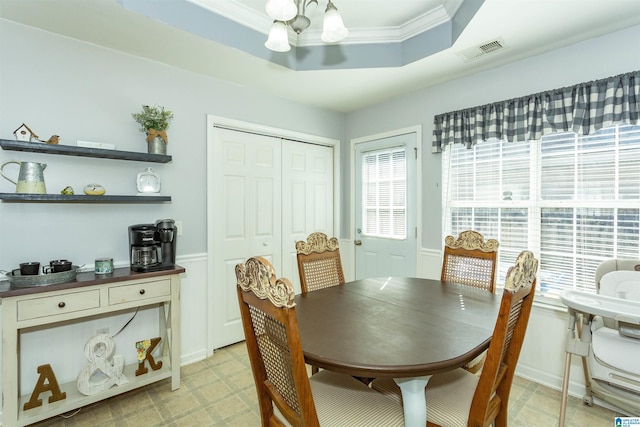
x,y
153,246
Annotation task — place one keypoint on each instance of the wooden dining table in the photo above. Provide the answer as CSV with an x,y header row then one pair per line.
x,y
403,328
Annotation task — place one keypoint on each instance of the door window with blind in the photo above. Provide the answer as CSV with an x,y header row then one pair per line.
x,y
384,193
573,200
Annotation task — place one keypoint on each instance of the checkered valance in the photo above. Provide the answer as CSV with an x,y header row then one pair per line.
x,y
583,109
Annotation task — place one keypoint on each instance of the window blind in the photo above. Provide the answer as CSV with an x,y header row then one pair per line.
x,y
384,193
573,200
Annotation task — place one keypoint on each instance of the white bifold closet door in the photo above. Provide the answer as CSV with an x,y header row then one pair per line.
x,y
269,192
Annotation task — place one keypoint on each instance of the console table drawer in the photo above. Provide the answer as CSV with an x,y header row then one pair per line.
x,y
139,291
58,304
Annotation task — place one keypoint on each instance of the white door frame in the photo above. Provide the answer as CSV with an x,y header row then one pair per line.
x,y
212,122
417,130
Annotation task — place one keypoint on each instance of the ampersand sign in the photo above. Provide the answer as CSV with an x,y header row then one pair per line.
x,y
103,370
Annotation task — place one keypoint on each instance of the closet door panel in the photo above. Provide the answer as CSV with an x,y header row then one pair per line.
x,y
307,174
246,218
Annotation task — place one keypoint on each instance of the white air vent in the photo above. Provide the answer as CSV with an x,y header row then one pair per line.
x,y
483,49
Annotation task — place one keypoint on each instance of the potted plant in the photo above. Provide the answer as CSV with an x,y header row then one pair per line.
x,y
154,121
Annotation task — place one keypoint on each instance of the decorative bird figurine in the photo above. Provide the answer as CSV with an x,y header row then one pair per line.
x,y
67,191
52,140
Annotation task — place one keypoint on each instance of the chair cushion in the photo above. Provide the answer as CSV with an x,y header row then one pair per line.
x,y
448,396
608,345
341,400
621,284
615,350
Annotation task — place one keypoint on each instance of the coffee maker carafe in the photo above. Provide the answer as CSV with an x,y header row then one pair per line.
x,y
153,246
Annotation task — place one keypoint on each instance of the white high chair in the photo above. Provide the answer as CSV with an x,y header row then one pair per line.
x,y
604,330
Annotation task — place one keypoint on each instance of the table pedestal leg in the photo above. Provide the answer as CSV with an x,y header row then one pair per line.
x,y
413,400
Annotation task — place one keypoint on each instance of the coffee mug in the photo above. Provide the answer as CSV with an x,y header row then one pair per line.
x,y
29,268
57,266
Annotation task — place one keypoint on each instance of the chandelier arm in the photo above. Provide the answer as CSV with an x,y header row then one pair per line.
x,y
305,5
301,22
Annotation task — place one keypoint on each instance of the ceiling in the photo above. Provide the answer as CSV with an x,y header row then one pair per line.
x,y
234,50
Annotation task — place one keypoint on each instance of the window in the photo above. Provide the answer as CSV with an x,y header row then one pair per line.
x,y
384,193
573,200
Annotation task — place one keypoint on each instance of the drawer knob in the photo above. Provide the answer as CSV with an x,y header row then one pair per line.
x,y
141,291
61,304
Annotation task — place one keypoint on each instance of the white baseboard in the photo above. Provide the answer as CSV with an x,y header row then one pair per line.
x,y
188,359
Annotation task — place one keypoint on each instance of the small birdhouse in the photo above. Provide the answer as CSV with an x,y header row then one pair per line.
x,y
23,133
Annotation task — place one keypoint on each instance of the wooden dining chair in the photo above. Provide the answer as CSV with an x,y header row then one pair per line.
x,y
319,263
470,260
286,395
460,398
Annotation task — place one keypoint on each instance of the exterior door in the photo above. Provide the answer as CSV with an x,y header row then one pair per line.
x,y
385,207
247,217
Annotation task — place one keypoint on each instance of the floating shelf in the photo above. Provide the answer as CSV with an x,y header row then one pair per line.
x,y
70,150
61,198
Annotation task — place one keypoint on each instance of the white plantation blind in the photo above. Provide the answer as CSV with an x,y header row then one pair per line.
x,y
384,195
573,200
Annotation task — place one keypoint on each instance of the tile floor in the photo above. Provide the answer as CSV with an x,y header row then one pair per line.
x,y
219,391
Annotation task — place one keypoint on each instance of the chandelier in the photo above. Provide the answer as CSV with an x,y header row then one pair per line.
x,y
291,13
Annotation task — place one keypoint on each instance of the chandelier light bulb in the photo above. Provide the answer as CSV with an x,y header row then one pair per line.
x,y
282,10
333,29
292,14
278,40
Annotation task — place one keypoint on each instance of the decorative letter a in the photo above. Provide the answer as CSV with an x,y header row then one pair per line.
x,y
46,374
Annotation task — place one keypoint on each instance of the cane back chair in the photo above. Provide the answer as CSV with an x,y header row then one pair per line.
x,y
286,395
470,260
319,263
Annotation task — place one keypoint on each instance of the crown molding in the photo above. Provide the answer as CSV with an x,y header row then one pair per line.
x,y
260,21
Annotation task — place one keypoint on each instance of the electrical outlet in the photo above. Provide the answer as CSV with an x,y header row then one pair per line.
x,y
102,331
179,227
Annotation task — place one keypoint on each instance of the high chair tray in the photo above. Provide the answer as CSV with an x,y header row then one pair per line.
x,y
601,305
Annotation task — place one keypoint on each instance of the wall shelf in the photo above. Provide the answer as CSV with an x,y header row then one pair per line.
x,y
70,150
80,198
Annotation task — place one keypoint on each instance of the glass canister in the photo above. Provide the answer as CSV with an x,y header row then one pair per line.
x,y
148,182
104,266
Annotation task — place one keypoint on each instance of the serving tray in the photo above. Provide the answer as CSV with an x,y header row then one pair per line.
x,y
19,281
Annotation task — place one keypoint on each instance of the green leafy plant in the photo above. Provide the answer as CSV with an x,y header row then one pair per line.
x,y
153,118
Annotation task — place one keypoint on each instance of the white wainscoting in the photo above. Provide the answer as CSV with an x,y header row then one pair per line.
x,y
541,360
194,317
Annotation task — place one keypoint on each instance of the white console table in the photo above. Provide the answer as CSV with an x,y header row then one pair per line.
x,y
89,295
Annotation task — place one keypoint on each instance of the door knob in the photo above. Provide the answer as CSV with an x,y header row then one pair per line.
x,y
358,242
